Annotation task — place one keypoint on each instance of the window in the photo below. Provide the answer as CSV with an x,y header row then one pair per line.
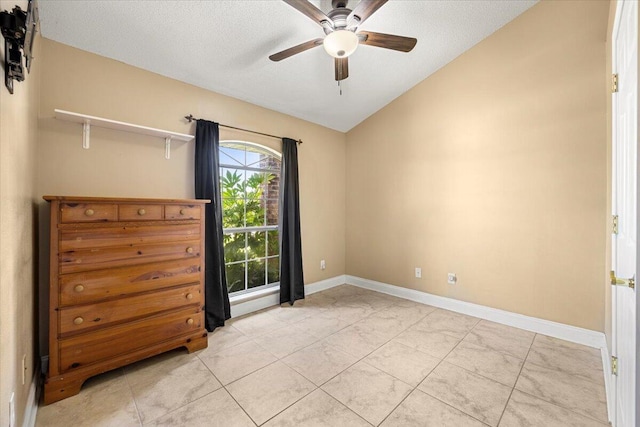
x,y
249,184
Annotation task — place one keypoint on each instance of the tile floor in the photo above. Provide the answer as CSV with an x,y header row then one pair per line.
x,y
351,357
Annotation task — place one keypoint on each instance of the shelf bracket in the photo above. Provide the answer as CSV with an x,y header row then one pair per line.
x,y
167,147
86,134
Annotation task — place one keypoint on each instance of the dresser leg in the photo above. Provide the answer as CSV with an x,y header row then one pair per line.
x,y
197,343
59,388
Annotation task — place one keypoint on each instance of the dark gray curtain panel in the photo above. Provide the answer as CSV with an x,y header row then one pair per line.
x,y
207,171
291,277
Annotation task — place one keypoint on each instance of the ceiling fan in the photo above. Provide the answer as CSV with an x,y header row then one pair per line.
x,y
340,26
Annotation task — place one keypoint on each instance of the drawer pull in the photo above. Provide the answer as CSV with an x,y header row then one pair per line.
x,y
189,296
141,212
189,250
89,212
183,211
189,321
78,288
78,321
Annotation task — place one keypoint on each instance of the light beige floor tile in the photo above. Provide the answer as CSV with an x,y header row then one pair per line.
x,y
495,365
163,384
270,390
103,401
367,391
527,411
371,301
257,324
294,313
348,314
217,409
320,362
575,359
322,327
235,362
422,410
317,409
403,362
505,339
433,343
400,317
223,338
357,341
423,309
447,322
570,392
477,396
285,341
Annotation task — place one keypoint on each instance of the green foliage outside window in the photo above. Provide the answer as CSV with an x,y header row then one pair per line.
x,y
244,204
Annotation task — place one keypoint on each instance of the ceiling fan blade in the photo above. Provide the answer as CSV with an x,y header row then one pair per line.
x,y
363,10
306,8
342,68
387,41
295,50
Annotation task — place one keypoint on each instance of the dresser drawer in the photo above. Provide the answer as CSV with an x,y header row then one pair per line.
x,y
79,318
98,258
88,212
93,286
140,212
182,212
84,237
99,345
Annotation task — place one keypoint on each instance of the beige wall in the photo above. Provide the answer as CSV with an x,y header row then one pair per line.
x,y
494,168
122,164
18,140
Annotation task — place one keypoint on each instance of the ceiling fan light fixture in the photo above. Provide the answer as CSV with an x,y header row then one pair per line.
x,y
340,43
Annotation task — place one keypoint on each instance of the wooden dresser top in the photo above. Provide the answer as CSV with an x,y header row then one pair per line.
x,y
125,200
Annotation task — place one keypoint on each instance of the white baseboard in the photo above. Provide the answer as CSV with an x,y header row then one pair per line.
x,y
608,380
546,327
31,408
241,306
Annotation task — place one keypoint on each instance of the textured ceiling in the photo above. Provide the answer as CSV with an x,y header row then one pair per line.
x,y
224,45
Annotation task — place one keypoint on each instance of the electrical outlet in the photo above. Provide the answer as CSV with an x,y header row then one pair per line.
x,y
24,369
12,411
323,264
418,273
451,278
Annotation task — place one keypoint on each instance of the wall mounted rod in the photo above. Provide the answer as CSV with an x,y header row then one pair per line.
x,y
190,119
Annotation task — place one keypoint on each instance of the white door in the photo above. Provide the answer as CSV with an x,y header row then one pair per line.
x,y
624,205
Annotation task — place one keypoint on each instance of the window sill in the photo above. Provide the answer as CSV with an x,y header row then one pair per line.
x,y
238,299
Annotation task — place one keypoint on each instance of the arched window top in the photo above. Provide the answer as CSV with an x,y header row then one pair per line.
x,y
244,154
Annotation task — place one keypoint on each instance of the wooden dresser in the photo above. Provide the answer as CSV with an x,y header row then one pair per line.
x,y
126,283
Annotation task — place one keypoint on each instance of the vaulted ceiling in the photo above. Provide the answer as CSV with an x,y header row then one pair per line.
x,y
224,45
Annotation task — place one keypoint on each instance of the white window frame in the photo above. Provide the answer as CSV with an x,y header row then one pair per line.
x,y
253,229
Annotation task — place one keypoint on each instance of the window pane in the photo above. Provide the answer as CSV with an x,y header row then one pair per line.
x,y
256,273
232,183
231,156
256,245
273,186
273,246
234,247
233,213
235,277
273,272
271,211
254,191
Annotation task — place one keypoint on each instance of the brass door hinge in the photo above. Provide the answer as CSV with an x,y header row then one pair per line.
x,y
614,83
614,365
615,224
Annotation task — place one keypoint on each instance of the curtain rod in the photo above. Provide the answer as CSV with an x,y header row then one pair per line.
x,y
190,118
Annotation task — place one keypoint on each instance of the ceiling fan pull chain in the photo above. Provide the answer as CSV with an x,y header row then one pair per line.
x,y
340,87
